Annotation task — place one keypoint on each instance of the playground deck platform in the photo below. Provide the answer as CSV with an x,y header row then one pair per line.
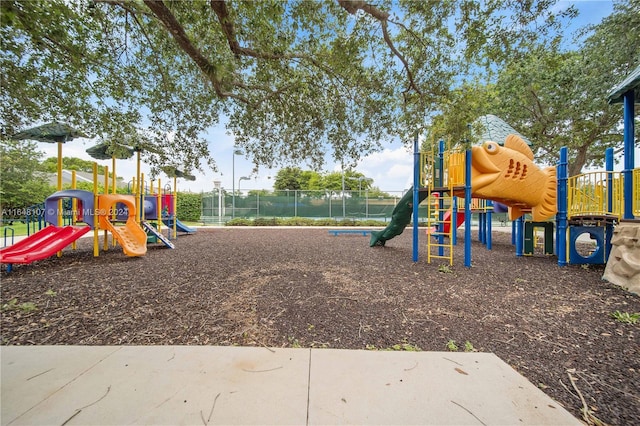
x,y
179,385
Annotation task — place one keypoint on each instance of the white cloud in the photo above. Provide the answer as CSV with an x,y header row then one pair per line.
x,y
390,169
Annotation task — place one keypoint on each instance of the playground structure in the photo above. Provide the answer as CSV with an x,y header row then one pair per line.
x,y
69,214
457,184
603,205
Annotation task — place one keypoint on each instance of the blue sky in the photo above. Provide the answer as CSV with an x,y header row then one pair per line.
x,y
390,169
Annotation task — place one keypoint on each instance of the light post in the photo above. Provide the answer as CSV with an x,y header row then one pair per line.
x,y
366,201
240,180
344,206
217,184
366,204
360,179
233,181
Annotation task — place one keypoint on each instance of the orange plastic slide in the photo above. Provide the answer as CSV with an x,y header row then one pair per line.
x,y
131,236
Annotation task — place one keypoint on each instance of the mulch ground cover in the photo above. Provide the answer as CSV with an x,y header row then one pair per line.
x,y
288,287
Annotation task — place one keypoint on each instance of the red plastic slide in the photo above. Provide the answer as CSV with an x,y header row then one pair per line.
x,y
42,244
447,220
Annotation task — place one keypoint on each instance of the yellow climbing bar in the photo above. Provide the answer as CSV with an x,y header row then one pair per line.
x,y
636,192
439,225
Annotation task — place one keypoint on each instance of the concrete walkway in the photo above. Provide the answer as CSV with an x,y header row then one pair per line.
x,y
201,385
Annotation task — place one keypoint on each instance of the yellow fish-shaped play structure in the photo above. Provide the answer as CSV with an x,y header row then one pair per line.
x,y
508,175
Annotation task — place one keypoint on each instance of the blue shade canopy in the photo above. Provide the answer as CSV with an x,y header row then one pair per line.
x,y
496,129
51,132
632,82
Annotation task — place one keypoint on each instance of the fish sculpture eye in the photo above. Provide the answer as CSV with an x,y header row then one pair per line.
x,y
491,147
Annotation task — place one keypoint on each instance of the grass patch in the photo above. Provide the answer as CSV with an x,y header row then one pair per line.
x,y
626,317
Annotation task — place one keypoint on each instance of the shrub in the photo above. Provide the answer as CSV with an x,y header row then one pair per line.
x,y
189,205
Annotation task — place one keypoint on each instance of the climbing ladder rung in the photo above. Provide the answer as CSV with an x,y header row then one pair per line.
x,y
439,240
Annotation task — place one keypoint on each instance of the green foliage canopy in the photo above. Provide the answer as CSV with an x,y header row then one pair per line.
x,y
50,164
294,178
21,182
293,80
556,97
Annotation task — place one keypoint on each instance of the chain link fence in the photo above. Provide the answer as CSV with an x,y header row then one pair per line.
x,y
357,205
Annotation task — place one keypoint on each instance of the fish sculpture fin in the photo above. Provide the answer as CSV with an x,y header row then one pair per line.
x,y
514,212
547,206
516,143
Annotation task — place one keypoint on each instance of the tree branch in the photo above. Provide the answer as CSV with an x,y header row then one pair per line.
x,y
134,15
228,28
170,22
352,6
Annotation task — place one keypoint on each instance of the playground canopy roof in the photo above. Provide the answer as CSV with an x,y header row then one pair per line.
x,y
51,132
632,82
109,150
173,172
496,130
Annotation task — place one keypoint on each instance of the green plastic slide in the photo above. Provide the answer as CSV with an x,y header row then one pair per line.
x,y
400,218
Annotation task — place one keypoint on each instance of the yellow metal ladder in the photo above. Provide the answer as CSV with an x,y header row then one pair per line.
x,y
439,218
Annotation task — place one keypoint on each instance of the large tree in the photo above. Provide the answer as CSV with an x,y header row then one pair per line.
x,y
556,97
293,80
50,164
21,181
294,178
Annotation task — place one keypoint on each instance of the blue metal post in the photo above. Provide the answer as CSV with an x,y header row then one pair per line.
x,y
513,232
628,154
416,199
467,209
489,219
519,236
454,221
440,179
561,217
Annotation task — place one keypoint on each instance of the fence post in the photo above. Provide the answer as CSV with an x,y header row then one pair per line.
x,y
366,204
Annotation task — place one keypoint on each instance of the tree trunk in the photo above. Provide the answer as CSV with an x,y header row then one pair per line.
x,y
575,166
